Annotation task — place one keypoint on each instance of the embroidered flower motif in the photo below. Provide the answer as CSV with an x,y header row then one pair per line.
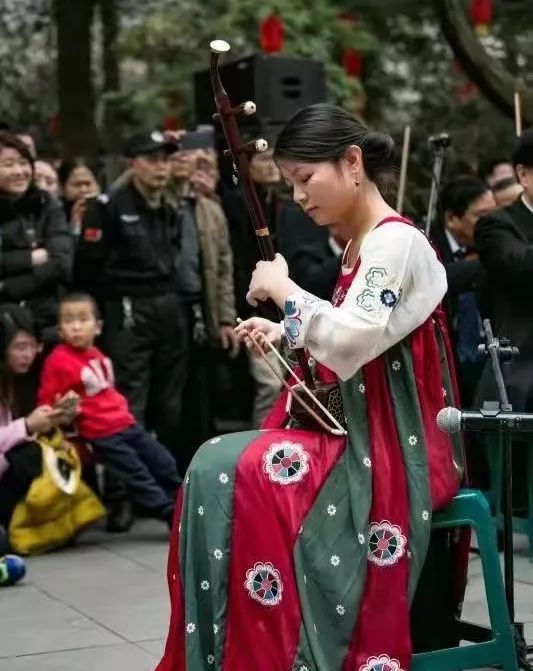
x,y
191,628
303,668
201,510
210,659
223,478
216,440
292,322
218,554
386,544
335,560
381,663
204,585
367,462
309,299
413,440
361,538
215,628
388,298
264,584
341,610
286,462
362,388
396,365
332,510
425,515
366,300
376,276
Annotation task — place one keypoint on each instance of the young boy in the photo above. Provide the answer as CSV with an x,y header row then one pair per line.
x,y
104,418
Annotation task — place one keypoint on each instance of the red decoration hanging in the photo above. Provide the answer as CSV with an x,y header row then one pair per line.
x,y
271,35
171,123
54,128
352,61
481,13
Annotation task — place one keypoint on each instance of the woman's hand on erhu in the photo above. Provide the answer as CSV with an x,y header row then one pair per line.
x,y
268,280
262,330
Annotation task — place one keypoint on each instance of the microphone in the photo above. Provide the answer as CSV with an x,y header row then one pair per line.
x,y
452,420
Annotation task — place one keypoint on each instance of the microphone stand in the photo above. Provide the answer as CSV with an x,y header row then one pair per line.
x,y
501,352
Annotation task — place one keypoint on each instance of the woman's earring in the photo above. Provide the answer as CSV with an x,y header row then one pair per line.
x,y
356,182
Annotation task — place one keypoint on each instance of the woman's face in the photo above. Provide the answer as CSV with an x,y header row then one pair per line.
x,y
81,183
21,353
324,190
15,173
46,178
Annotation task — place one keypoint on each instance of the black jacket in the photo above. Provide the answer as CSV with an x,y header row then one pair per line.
x,y
34,221
315,267
462,274
504,240
127,248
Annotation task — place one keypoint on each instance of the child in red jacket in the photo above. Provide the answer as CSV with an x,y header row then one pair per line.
x,y
104,418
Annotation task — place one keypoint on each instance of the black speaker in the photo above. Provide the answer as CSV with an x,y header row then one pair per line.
x,y
279,86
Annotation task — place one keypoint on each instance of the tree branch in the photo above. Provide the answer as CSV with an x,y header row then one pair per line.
x,y
492,78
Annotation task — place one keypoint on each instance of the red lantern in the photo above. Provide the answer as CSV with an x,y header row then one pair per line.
x,y
481,12
171,123
271,35
352,62
54,126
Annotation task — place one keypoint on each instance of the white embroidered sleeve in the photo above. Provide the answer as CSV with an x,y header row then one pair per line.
x,y
399,284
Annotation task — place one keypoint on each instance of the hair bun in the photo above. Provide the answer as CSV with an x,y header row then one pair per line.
x,y
378,155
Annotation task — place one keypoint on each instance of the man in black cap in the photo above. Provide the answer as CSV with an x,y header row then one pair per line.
x,y
127,257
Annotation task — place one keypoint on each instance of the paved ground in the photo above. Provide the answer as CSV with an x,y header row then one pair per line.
x,y
102,605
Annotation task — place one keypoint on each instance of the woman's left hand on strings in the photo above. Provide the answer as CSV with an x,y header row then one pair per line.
x,y
268,279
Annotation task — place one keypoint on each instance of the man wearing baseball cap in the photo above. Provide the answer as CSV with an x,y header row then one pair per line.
x,y
130,241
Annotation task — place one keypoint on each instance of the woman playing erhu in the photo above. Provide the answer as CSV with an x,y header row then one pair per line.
x,y
296,550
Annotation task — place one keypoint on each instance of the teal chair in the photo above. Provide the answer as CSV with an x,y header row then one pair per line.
x,y
470,508
521,525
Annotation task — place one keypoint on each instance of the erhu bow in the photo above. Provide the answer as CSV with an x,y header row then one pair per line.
x,y
324,398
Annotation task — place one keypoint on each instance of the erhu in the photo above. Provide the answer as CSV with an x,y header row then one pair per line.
x,y
317,404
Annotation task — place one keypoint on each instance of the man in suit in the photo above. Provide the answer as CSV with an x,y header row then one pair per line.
x,y
463,200
504,240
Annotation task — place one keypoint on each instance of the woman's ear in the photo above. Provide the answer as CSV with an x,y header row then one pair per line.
x,y
354,157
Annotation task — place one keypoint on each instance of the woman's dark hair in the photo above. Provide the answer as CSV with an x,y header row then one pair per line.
x,y
323,132
459,192
67,167
13,320
10,141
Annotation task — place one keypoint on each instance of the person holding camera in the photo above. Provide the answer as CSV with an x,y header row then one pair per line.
x,y
126,258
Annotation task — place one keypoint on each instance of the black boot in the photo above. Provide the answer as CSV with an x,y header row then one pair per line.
x,y
4,541
119,517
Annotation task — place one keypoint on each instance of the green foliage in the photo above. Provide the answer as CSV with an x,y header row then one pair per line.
x,y
171,52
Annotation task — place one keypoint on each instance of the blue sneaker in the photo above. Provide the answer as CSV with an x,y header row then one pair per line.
x,y
12,569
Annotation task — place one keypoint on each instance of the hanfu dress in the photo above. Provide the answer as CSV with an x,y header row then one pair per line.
x,y
295,550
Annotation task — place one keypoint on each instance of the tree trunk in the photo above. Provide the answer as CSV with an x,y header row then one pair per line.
x,y
109,19
74,77
492,78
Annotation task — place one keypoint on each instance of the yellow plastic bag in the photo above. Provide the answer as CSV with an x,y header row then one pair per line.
x,y
58,504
